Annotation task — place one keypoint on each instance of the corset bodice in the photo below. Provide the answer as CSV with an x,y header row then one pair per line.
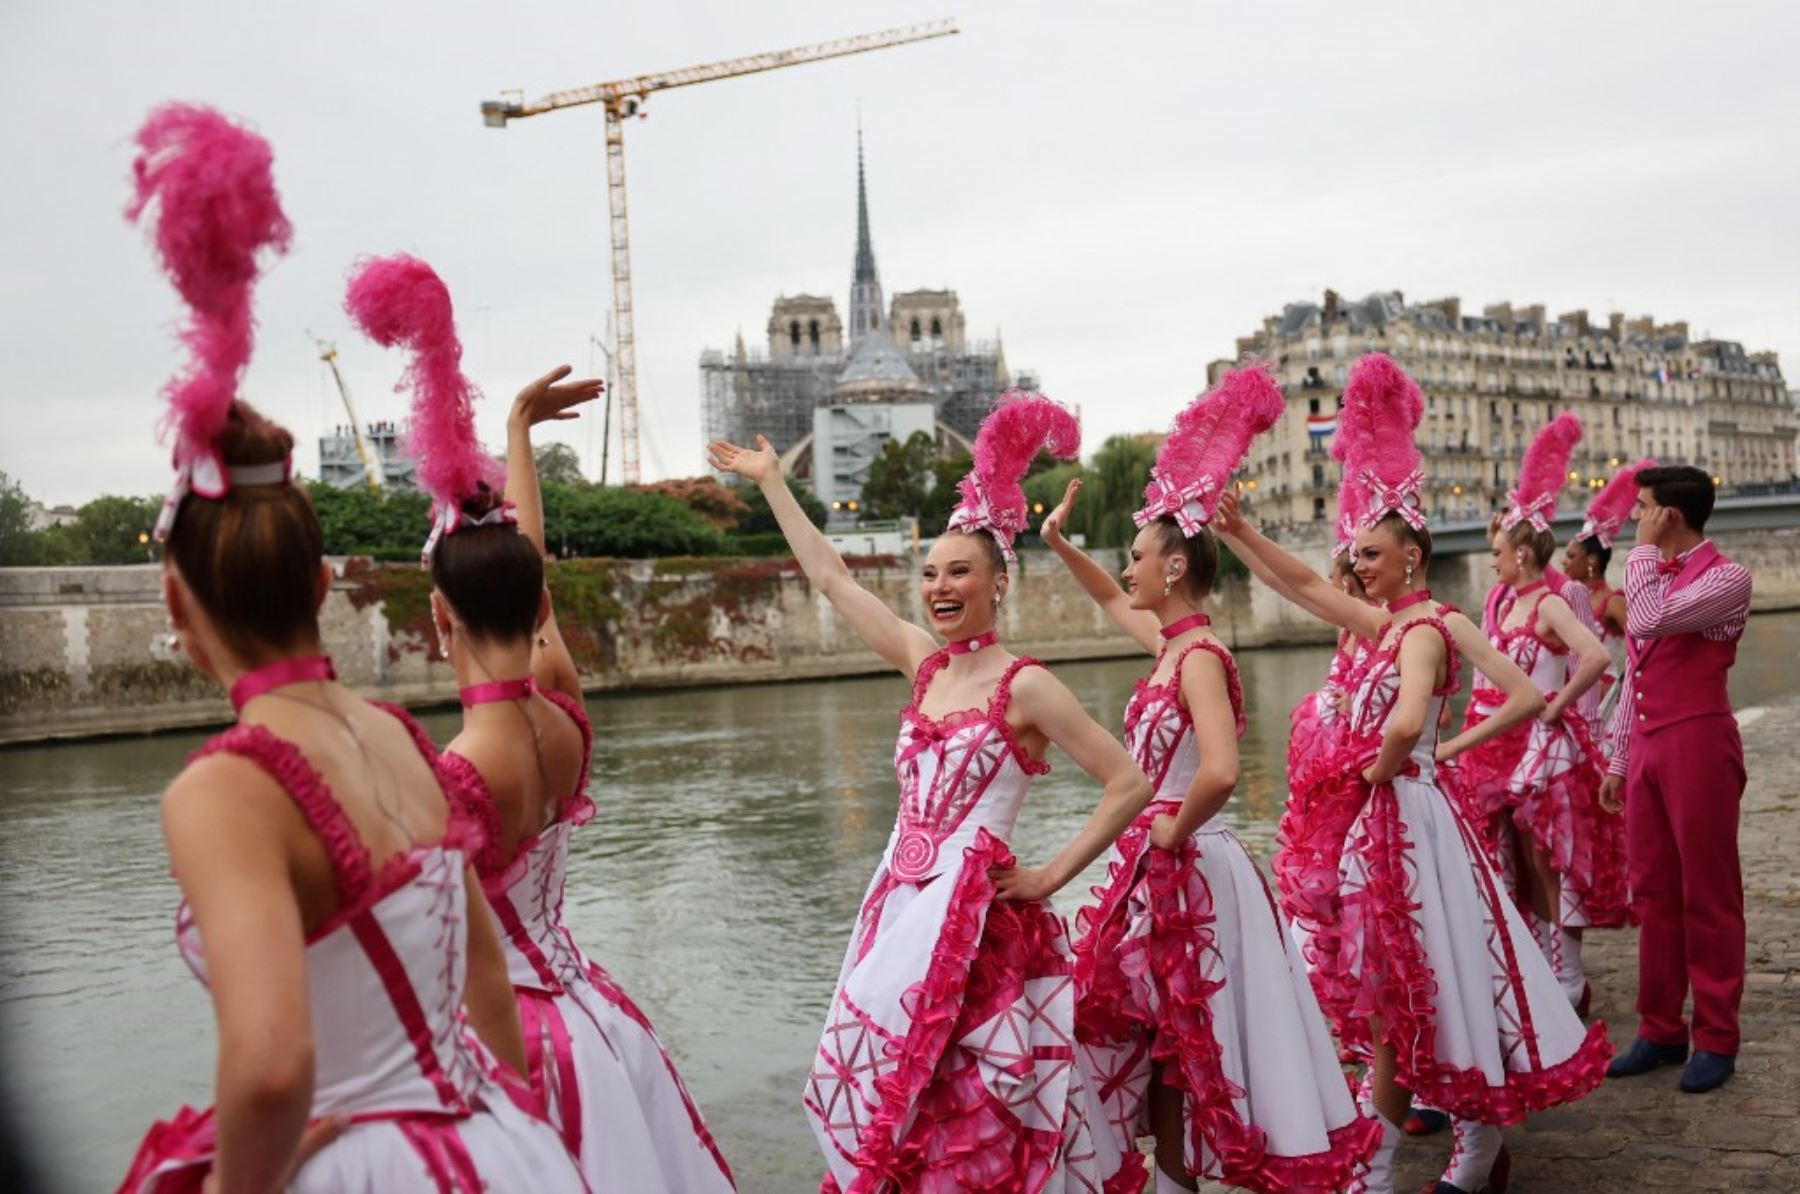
x,y
1159,729
1377,692
387,970
958,774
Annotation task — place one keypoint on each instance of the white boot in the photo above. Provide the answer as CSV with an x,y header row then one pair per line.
x,y
1569,970
1473,1160
1378,1178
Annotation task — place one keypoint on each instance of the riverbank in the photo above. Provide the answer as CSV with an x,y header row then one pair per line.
x,y
80,657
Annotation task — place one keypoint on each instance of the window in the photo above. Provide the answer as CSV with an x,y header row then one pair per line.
x,y
1318,509
916,331
937,330
1312,406
812,335
794,334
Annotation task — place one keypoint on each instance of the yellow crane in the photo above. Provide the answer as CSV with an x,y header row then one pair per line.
x,y
626,97
371,465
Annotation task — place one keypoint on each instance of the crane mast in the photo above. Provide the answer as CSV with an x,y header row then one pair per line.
x,y
622,98
371,466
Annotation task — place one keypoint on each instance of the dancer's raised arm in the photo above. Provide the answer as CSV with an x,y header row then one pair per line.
x,y
1140,624
1043,704
1290,576
547,398
890,636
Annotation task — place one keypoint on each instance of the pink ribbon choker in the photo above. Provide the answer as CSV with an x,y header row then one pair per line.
x,y
279,674
1420,597
1180,627
967,646
496,690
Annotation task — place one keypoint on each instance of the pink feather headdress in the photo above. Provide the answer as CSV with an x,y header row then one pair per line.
x,y
217,210
1207,444
1349,443
1607,513
401,300
1021,424
1542,474
1383,406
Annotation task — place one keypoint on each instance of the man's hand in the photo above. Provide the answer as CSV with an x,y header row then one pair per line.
x,y
1612,794
1653,525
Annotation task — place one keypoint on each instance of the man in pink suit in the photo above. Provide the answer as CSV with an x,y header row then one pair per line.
x,y
1675,751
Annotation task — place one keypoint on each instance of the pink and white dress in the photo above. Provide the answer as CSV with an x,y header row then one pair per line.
x,y
1600,700
604,1078
1184,962
385,975
1552,791
1316,715
948,1061
1428,940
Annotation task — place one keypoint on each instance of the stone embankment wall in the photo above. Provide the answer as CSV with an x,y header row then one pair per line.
x,y
78,646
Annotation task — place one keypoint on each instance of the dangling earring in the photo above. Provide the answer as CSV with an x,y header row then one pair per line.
x,y
1519,558
1409,572
1168,584
996,599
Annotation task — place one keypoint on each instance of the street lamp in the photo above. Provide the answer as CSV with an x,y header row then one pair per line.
x,y
144,542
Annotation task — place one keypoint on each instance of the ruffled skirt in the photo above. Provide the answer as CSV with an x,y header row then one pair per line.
x,y
610,1088
1556,786
1184,963
948,1061
502,1146
1429,944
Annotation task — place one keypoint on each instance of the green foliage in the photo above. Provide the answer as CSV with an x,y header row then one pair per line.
x,y
624,522
901,479
19,545
115,530
357,521
945,474
761,520
557,464
1113,488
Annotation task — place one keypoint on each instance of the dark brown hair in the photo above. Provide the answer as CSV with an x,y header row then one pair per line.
x,y
492,576
1201,553
1683,487
1345,566
1597,551
251,558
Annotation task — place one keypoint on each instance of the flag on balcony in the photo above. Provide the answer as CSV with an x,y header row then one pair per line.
x,y
1321,426
1662,375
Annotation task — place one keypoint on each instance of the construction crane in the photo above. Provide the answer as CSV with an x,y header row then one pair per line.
x,y
371,466
626,97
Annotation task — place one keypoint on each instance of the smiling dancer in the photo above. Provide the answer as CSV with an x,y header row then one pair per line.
x,y
1192,997
947,1061
328,906
1585,561
1535,795
1434,973
519,766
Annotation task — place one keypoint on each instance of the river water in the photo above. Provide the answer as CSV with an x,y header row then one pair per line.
x,y
737,831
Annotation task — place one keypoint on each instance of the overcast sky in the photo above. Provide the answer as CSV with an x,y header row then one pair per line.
x,y
1120,196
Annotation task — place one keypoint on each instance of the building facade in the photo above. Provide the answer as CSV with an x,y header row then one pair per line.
x,y
341,464
912,351
1640,388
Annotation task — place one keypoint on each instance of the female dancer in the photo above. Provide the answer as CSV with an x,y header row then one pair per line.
x,y
519,766
1189,991
1585,561
328,904
1534,795
1434,971
948,1060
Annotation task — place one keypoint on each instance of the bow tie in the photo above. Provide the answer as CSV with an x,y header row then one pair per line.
x,y
1670,567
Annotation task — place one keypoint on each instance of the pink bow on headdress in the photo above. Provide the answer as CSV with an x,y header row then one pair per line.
x,y
1538,511
448,518
980,515
1402,499
1607,513
1186,504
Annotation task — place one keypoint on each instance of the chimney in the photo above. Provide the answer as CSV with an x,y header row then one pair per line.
x,y
1331,305
1615,323
1451,307
1535,314
1578,318
1501,311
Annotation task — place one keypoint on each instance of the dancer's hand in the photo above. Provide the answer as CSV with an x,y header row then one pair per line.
x,y
1021,884
756,466
550,397
1162,833
316,1137
1051,529
1228,519
1612,794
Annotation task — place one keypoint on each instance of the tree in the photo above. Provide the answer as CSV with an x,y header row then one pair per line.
x,y
557,464
901,478
1113,490
356,520
760,520
115,530
19,544
945,474
717,504
628,523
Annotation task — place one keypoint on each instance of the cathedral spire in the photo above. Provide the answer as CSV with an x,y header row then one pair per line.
x,y
866,314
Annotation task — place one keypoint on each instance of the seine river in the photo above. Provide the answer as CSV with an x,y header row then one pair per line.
x,y
738,828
